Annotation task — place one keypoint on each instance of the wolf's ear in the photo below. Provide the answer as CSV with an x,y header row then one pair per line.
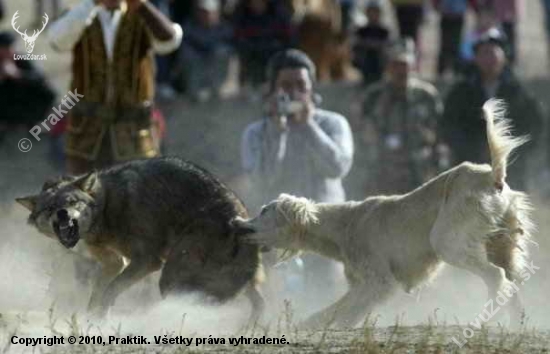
x,y
88,183
28,202
52,182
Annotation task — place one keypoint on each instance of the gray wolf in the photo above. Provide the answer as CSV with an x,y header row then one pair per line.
x,y
467,217
161,213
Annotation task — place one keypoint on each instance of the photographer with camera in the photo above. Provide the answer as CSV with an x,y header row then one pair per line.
x,y
299,149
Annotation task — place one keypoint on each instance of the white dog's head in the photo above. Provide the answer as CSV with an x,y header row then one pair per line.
x,y
281,223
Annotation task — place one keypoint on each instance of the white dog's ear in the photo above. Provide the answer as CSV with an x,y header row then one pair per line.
x,y
28,202
284,196
302,210
88,183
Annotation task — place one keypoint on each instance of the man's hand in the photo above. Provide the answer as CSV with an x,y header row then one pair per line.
x,y
8,70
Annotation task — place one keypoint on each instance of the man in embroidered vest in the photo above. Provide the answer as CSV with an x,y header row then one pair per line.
x,y
112,78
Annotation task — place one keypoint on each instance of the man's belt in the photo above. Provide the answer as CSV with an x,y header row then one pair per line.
x,y
114,114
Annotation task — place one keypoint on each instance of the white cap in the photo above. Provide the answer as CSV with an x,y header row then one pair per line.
x,y
402,50
209,5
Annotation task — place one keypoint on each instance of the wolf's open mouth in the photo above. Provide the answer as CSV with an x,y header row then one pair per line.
x,y
67,232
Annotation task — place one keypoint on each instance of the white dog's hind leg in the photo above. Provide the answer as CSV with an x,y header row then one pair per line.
x,y
502,292
474,259
494,278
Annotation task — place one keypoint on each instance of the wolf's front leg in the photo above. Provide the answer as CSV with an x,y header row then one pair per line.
x,y
139,268
111,265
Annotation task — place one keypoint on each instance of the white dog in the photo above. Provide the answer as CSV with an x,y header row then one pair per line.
x,y
467,217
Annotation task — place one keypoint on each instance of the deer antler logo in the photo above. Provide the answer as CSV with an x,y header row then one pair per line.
x,y
29,40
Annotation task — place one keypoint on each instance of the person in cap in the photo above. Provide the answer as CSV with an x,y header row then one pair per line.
x,y
462,126
397,130
25,95
369,44
205,51
300,149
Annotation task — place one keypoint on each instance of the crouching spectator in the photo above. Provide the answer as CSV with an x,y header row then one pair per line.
x,y
300,149
205,51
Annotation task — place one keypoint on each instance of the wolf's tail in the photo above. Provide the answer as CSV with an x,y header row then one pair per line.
x,y
501,142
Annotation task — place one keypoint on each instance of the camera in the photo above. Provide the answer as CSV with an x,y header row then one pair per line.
x,y
286,106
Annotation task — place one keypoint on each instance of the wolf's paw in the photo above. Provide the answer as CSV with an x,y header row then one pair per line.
x,y
96,312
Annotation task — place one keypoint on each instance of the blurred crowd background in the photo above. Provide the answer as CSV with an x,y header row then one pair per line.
x,y
396,115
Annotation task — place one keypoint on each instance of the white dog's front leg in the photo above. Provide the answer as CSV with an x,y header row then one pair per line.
x,y
327,316
353,307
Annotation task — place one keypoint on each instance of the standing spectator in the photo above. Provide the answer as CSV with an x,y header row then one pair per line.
x,y
410,14
262,28
182,10
370,42
164,73
399,128
299,149
113,69
546,6
507,14
205,51
2,10
347,7
485,22
450,33
41,7
464,129
25,95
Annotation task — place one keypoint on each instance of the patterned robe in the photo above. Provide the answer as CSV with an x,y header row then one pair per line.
x,y
117,94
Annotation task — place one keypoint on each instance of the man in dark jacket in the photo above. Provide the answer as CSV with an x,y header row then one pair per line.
x,y
463,128
2,10
262,28
25,95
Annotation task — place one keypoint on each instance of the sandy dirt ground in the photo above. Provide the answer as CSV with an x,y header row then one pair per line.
x,y
39,296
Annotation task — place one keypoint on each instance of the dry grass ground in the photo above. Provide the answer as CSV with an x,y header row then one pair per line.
x,y
34,269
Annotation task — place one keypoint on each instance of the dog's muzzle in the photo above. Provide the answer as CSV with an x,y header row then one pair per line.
x,y
66,229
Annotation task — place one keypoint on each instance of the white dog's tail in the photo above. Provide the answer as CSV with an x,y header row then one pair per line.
x,y
501,142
